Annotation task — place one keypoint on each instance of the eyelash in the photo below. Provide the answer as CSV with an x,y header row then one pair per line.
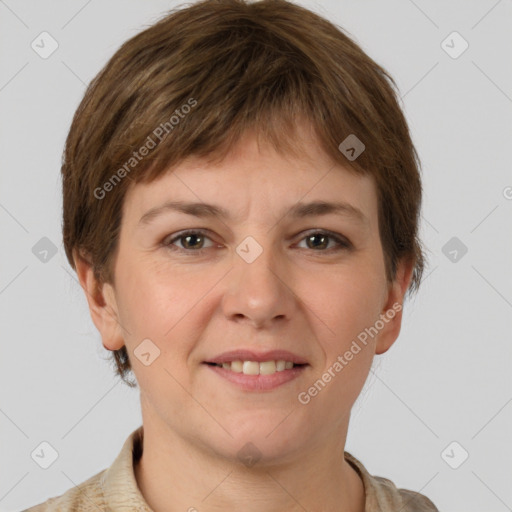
x,y
343,244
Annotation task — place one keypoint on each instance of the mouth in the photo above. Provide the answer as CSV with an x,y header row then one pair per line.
x,y
251,371
248,367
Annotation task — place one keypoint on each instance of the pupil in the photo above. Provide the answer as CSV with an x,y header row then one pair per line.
x,y
317,236
188,237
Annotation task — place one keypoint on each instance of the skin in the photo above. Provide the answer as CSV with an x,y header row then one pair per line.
x,y
310,301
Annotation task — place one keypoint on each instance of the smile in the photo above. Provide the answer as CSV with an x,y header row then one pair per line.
x,y
257,376
255,367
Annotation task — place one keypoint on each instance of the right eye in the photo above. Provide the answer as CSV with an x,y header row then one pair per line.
x,y
189,241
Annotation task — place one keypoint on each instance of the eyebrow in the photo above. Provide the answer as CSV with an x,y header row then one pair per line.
x,y
299,210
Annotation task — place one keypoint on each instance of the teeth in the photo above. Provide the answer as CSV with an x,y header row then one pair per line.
x,y
280,365
255,368
251,368
236,366
267,367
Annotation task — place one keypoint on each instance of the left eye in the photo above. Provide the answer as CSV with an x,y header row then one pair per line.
x,y
324,237
192,241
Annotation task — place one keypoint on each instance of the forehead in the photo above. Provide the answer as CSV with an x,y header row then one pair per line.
x,y
255,177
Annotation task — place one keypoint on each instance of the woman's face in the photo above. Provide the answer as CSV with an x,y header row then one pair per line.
x,y
261,282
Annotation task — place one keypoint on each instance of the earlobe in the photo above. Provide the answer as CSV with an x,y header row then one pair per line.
x,y
102,303
392,312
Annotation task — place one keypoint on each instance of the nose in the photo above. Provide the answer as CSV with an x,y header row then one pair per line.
x,y
259,289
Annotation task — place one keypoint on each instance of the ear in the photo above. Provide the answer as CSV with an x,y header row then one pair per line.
x,y
392,312
102,304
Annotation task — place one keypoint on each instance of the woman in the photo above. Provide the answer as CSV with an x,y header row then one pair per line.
x,y
241,206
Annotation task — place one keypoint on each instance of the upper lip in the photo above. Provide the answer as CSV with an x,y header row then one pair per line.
x,y
249,355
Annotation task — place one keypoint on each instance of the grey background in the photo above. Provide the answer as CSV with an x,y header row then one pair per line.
x,y
447,378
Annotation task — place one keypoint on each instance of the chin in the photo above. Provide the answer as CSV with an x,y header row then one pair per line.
x,y
257,453
267,439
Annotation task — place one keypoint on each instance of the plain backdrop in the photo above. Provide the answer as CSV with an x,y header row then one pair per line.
x,y
441,394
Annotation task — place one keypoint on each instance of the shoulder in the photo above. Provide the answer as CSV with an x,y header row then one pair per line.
x,y
86,497
113,488
409,501
382,495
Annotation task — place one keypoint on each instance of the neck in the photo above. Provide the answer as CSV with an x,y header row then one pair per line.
x,y
174,474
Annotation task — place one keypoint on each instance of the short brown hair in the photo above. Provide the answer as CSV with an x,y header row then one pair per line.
x,y
236,65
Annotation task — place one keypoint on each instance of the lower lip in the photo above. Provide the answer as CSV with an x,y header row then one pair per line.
x,y
258,382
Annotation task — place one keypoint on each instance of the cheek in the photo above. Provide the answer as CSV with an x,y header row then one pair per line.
x,y
344,302
347,305
151,294
163,305
141,303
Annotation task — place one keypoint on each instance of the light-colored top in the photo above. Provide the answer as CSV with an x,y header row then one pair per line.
x,y
115,489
